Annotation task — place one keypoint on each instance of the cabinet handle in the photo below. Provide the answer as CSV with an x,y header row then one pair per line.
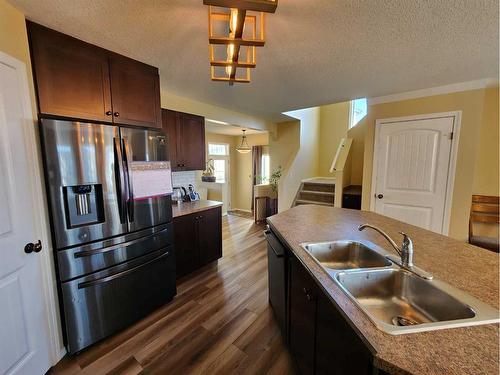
x,y
116,114
109,113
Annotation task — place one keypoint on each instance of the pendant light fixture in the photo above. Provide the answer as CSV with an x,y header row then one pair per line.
x,y
235,29
243,147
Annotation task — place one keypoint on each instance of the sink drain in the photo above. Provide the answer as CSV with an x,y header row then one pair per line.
x,y
402,321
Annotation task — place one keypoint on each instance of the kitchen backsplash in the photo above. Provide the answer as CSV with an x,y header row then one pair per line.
x,y
183,178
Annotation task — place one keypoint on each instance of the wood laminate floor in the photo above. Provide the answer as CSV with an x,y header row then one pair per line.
x,y
220,321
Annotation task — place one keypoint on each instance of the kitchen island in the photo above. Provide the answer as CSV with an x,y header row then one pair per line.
x,y
468,350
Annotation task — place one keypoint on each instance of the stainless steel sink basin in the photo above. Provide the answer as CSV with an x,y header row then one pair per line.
x,y
344,255
398,301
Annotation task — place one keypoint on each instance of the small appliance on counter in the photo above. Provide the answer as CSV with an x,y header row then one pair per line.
x,y
193,195
180,195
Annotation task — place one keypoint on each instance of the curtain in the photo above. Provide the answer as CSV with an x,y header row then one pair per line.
x,y
256,169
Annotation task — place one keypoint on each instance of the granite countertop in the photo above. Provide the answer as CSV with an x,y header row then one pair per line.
x,y
468,350
186,208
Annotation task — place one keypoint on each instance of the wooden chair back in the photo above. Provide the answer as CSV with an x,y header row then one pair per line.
x,y
484,209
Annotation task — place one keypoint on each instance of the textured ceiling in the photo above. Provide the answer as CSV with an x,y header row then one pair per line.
x,y
317,52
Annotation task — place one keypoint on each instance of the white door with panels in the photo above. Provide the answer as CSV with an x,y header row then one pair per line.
x,y
24,337
412,170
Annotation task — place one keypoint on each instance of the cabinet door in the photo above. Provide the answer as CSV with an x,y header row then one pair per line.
x,y
169,126
339,350
71,76
192,141
135,89
185,244
303,294
210,235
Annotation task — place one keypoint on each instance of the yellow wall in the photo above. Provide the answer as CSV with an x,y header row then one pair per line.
x,y
486,167
242,166
14,41
240,180
296,149
471,105
183,104
334,122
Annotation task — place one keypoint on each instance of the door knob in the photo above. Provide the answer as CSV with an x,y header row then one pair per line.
x,y
380,196
116,114
33,247
109,113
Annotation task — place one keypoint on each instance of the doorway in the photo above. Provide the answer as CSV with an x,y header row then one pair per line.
x,y
26,340
414,169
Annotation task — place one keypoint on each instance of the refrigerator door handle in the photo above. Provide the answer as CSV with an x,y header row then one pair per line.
x,y
121,179
130,199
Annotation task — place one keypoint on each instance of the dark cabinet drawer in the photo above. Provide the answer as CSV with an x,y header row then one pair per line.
x,y
116,297
82,260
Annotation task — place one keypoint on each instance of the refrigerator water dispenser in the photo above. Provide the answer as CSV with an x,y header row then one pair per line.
x,y
84,205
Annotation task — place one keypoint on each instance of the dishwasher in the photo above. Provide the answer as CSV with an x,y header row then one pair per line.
x,y
277,272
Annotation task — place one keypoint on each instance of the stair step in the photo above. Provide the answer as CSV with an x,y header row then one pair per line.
x,y
310,186
305,201
317,192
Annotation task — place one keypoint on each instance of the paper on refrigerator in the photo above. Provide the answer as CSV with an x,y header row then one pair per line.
x,y
150,179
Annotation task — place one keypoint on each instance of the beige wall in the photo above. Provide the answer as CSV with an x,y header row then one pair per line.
x,y
242,166
471,103
334,122
296,149
486,177
183,104
14,41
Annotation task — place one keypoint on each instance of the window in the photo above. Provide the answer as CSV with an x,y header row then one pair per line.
x,y
359,109
220,170
266,171
219,152
218,149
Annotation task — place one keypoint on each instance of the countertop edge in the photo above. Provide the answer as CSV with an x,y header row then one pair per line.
x,y
187,208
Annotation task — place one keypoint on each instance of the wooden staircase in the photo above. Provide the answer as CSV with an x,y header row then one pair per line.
x,y
320,191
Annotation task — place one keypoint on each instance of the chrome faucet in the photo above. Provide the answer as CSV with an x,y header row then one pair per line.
x,y
405,251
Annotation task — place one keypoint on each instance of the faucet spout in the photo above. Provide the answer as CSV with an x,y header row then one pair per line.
x,y
406,249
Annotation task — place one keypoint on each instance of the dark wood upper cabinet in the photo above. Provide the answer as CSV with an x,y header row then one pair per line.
x,y
78,80
71,76
135,91
186,133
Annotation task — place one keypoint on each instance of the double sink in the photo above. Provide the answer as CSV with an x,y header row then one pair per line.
x,y
395,300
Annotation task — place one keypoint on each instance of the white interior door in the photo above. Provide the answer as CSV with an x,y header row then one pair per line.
x,y
24,339
411,175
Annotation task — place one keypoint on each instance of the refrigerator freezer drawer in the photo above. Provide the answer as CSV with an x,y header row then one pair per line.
x,y
98,305
82,260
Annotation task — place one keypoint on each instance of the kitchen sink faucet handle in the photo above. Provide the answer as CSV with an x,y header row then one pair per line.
x,y
407,250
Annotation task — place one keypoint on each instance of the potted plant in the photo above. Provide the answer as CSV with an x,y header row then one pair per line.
x,y
208,173
273,182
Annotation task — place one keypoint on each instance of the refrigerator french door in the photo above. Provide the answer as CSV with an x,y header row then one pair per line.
x,y
113,250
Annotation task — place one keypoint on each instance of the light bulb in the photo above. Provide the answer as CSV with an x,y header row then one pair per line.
x,y
233,20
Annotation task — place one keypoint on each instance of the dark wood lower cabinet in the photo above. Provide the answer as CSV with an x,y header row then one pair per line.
x,y
320,339
303,297
339,350
198,240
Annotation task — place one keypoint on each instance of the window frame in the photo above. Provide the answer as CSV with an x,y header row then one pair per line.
x,y
351,112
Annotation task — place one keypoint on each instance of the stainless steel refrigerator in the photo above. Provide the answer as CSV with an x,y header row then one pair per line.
x,y
114,253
